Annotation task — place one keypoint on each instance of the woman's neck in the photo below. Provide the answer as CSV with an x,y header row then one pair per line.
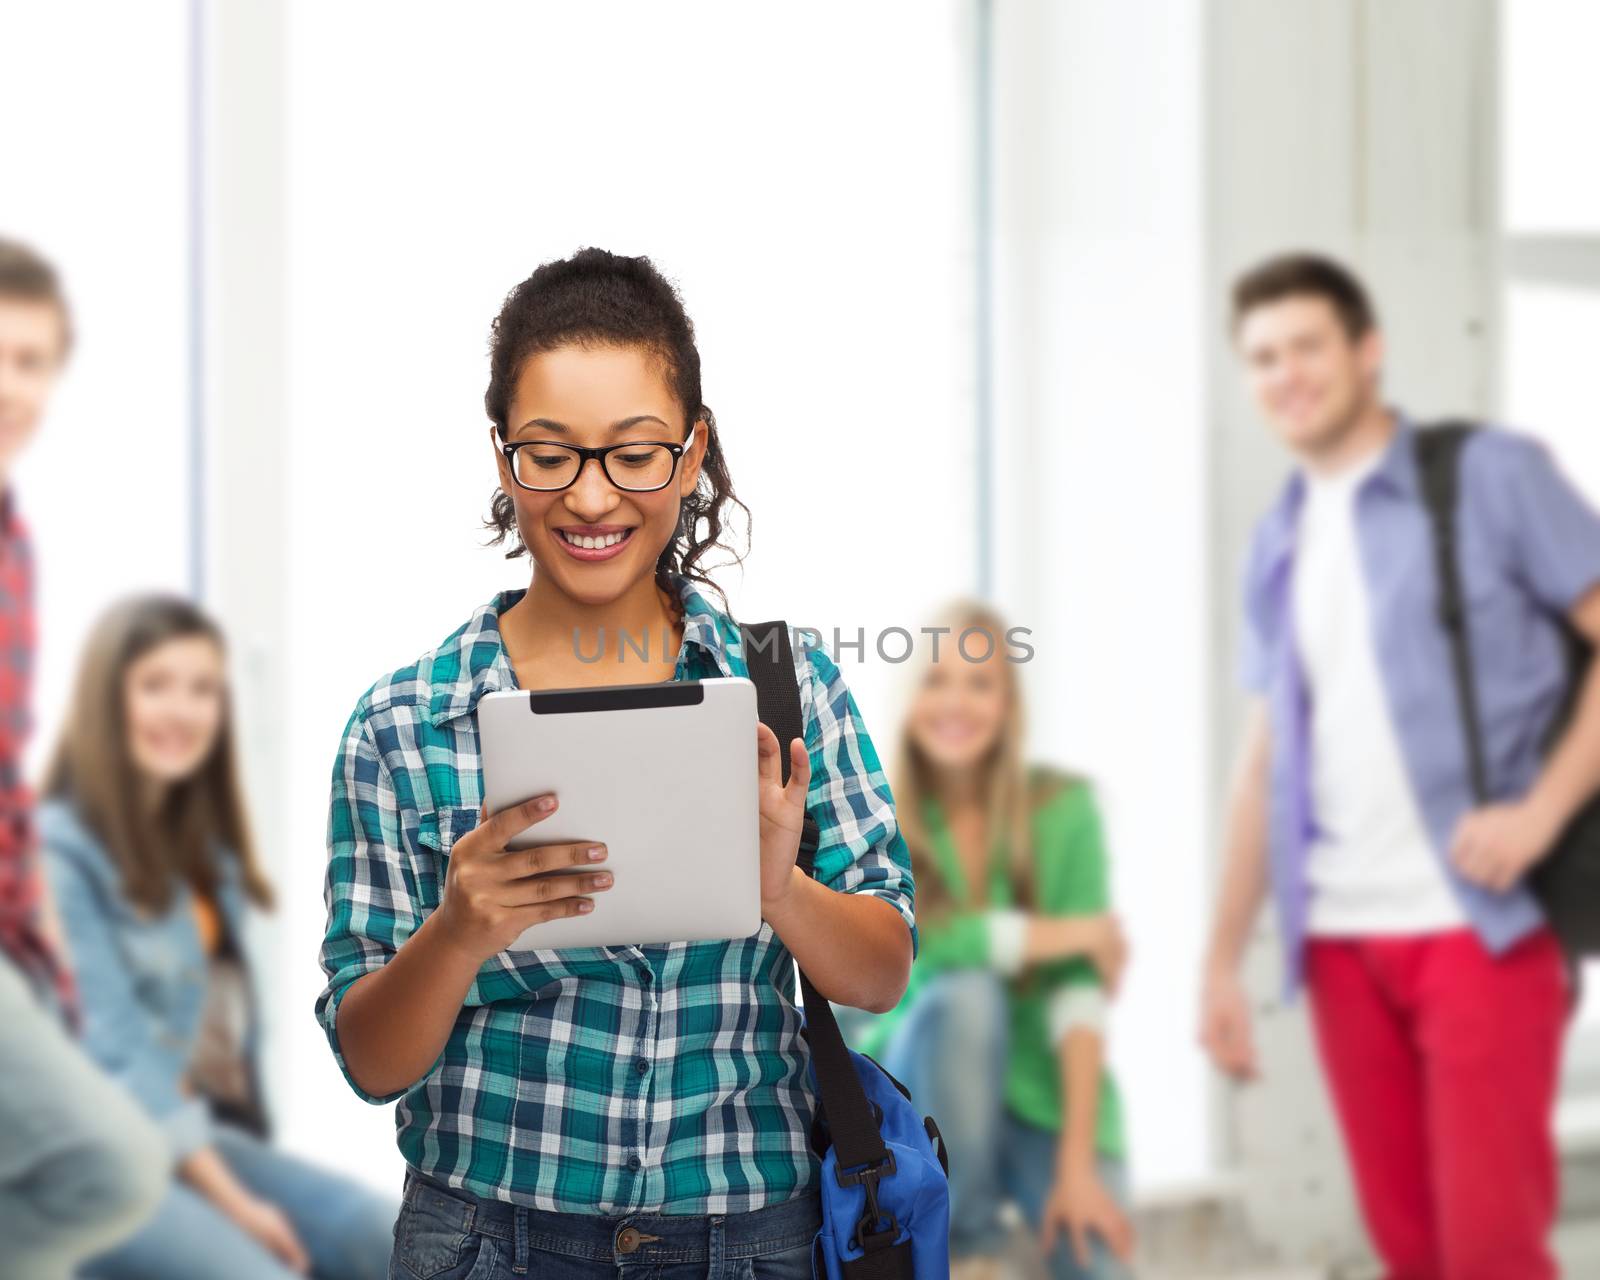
x,y
549,633
960,790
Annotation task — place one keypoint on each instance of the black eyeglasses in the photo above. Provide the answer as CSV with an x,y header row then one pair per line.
x,y
639,466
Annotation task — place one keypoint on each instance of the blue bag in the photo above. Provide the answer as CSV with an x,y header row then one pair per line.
x,y
885,1193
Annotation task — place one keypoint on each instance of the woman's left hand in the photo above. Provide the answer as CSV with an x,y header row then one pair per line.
x,y
783,813
1080,1207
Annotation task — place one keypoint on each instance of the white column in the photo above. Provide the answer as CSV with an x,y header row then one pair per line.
x,y
1101,484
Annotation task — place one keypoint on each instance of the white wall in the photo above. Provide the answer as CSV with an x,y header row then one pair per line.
x,y
805,182
102,193
1101,535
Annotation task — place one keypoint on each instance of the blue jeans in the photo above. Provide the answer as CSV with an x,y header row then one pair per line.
x,y
950,1052
448,1234
347,1230
81,1165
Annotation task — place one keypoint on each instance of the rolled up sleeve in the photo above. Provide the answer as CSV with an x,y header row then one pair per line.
x,y
1074,880
371,903
1006,931
860,846
1554,531
1075,1008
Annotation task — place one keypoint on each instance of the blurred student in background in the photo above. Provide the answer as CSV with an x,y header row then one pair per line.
x,y
149,856
80,1166
1438,992
1000,1035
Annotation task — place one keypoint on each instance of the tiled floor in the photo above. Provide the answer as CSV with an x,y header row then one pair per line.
x,y
1578,1245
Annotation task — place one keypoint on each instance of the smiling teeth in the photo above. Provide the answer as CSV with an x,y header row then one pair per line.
x,y
583,540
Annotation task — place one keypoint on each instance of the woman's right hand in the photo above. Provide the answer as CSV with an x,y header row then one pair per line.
x,y
270,1227
207,1172
491,893
1106,949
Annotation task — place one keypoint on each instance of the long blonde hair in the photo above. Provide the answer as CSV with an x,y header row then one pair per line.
x,y
1010,788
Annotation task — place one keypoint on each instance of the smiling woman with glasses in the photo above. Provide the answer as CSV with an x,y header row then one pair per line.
x,y
566,1112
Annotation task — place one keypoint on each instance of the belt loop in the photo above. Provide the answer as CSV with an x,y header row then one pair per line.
x,y
519,1264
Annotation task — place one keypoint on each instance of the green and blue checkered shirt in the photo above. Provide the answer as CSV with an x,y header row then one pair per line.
x,y
605,1079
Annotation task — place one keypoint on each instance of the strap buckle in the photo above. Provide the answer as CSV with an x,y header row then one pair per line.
x,y
867,1237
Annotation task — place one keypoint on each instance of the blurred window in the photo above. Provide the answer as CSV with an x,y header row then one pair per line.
x,y
1550,204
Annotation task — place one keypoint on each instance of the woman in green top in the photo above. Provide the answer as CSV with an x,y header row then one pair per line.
x,y
999,1034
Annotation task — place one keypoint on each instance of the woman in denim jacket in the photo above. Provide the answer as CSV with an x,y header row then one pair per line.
x,y
150,861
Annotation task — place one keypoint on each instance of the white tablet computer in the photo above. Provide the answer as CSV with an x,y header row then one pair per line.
x,y
665,776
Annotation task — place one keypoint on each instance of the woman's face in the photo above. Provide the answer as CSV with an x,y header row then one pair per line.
x,y
597,396
958,712
174,707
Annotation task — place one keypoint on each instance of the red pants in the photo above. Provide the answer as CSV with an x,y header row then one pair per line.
x,y
1443,1061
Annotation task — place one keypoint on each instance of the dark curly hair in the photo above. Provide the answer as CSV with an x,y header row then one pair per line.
x,y
603,299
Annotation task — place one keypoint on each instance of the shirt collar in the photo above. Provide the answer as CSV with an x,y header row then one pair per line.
x,y
1397,471
473,661
706,627
1398,468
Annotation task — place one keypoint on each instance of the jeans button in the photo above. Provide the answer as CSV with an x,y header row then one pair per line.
x,y
627,1240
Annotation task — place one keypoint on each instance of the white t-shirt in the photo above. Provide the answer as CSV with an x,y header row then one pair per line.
x,y
1372,868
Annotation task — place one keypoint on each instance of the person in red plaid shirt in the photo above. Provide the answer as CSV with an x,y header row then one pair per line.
x,y
80,1165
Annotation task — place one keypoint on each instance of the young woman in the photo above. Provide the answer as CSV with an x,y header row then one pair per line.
x,y
149,857
1000,1034
566,1112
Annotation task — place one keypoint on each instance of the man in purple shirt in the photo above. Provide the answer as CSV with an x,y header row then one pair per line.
x,y
1438,993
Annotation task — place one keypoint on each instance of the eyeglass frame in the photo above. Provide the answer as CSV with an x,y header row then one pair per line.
x,y
584,453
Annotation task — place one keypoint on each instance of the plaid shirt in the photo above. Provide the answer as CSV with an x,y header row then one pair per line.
x,y
21,887
591,1080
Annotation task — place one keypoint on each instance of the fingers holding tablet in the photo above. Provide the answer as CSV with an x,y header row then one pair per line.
x,y
493,893
553,859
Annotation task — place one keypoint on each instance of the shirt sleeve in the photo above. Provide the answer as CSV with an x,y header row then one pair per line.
x,y
1554,531
372,906
117,1032
860,848
1073,877
1252,654
1075,1008
991,939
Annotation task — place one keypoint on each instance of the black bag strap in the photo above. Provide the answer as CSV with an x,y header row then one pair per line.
x,y
856,1141
1438,455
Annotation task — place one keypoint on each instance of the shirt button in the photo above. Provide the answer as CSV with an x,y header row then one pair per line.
x,y
634,1163
646,976
642,1065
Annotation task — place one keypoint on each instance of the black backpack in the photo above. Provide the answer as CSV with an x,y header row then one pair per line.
x,y
1566,881
888,1217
